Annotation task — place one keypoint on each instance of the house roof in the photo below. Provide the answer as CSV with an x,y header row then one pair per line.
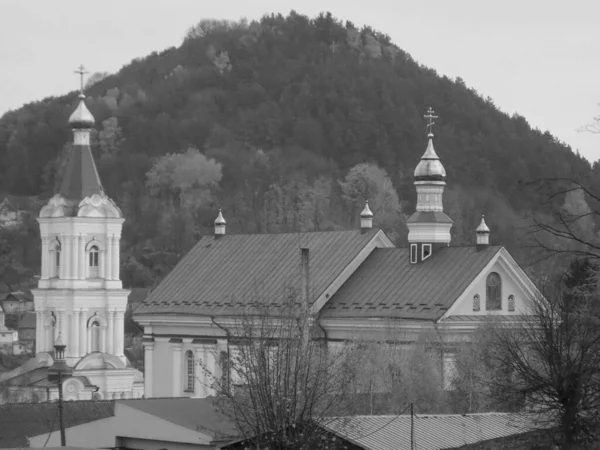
x,y
19,296
27,320
387,285
431,432
227,274
197,414
20,421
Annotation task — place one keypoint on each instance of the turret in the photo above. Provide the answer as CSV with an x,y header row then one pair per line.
x,y
366,217
220,225
483,232
429,227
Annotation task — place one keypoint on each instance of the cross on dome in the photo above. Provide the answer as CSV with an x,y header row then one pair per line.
x,y
430,116
81,71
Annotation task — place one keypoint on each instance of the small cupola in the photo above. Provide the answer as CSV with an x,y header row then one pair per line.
x,y
220,224
483,232
366,217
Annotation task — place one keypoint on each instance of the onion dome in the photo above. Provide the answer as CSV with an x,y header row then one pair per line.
x,y
366,212
81,117
59,341
482,228
430,167
220,220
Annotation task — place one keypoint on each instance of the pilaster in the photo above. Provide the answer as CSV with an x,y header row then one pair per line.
x,y
148,367
176,369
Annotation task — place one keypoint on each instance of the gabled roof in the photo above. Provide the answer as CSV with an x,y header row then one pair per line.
x,y
225,275
387,285
431,432
20,421
197,414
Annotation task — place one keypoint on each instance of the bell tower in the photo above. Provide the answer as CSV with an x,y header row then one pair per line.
x,y
429,227
80,295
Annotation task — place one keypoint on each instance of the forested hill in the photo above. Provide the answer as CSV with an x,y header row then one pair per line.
x,y
288,124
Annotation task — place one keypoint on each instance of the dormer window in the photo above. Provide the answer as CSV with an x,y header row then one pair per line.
x,y
413,253
425,251
93,261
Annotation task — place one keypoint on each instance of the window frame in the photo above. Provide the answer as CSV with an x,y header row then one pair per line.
x,y
414,253
190,371
423,247
497,292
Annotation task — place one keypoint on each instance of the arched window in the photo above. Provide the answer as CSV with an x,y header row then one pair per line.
x,y
54,260
95,336
493,301
191,371
476,303
93,261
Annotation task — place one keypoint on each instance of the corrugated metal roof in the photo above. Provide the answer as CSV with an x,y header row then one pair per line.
x,y
20,421
387,285
224,275
431,432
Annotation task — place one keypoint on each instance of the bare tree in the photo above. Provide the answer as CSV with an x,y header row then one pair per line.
x,y
594,126
553,357
280,381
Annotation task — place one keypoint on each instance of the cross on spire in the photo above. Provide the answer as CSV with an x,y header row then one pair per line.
x,y
430,118
81,71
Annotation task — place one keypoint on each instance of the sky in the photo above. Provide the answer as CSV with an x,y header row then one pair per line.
x,y
540,59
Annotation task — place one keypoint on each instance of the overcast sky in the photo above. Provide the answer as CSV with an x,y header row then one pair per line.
x,y
540,58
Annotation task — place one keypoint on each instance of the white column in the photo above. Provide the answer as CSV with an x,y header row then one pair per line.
x,y
110,347
83,333
74,340
148,367
63,252
68,256
76,258
102,263
108,260
39,332
102,339
45,256
119,333
199,382
176,352
115,258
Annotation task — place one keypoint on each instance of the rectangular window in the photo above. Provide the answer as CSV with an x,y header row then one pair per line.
x,y
425,251
413,253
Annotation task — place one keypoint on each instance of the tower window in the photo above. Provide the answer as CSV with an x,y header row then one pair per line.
x,y
493,301
54,260
93,261
425,251
95,336
413,253
191,371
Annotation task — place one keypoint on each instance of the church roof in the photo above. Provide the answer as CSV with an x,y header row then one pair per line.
x,y
387,285
80,178
224,275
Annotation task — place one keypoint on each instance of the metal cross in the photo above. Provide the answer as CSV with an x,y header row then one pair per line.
x,y
81,71
430,117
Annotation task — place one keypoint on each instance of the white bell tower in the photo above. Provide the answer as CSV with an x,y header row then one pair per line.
x,y
80,294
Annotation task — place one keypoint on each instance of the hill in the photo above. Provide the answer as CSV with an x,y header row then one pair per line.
x,y
287,124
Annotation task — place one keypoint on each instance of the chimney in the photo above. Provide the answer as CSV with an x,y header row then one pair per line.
x,y
483,232
305,277
366,217
220,225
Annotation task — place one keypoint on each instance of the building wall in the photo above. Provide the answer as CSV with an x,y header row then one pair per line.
x,y
464,306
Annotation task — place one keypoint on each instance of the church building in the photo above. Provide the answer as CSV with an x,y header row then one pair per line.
x,y
80,301
358,284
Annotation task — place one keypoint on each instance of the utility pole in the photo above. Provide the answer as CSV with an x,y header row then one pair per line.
x,y
60,411
412,428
